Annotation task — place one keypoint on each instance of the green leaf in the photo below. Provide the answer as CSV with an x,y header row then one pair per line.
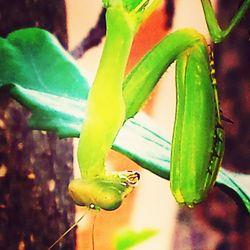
x,y
237,183
40,74
56,113
33,58
47,82
130,238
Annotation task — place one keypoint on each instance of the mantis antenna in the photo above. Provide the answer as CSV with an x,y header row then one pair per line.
x,y
93,233
67,231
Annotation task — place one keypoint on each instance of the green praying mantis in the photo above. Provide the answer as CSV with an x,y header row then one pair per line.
x,y
198,136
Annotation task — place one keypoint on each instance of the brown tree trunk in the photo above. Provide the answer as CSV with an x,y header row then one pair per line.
x,y
34,167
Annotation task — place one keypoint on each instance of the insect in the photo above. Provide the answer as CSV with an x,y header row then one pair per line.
x,y
198,138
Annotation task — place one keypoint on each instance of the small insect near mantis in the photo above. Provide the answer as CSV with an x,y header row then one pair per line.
x,y
198,137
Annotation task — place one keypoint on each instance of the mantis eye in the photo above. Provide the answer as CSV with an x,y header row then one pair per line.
x,y
92,206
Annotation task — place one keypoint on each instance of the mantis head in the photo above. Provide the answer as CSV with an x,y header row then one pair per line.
x,y
105,192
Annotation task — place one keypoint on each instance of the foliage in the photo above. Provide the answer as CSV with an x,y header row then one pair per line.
x,y
130,238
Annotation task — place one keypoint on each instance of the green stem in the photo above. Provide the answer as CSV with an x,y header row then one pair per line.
x,y
216,33
106,92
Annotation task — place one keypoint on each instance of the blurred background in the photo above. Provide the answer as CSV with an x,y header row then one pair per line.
x,y
33,220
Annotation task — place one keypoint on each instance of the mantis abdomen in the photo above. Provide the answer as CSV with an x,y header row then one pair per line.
x,y
198,137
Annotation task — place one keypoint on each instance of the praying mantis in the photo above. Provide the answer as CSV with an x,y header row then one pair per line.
x,y
198,136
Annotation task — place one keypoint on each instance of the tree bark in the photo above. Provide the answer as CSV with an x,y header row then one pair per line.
x,y
35,167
